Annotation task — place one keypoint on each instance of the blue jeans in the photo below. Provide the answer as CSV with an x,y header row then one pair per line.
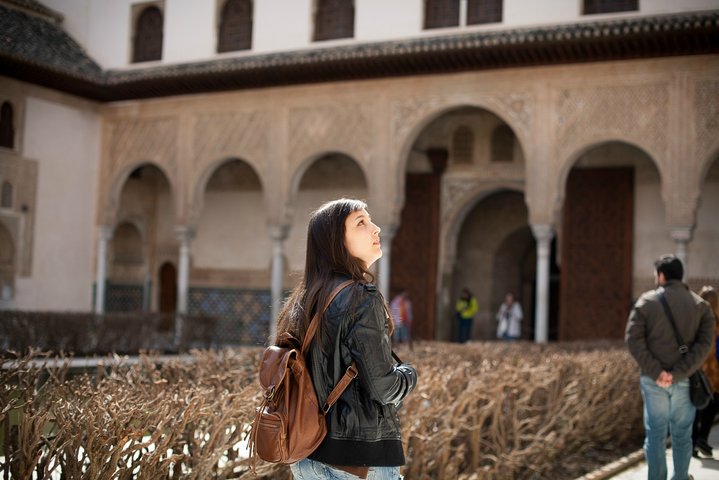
x,y
465,328
309,469
667,409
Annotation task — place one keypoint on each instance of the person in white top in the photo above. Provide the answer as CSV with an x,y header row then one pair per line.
x,y
509,319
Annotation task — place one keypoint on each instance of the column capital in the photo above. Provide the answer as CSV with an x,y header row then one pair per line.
x,y
104,232
543,232
681,233
185,233
279,232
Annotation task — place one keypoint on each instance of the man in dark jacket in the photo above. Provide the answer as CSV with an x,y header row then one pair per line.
x,y
664,369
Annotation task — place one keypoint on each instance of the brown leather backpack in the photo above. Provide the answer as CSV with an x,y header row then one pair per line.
x,y
289,424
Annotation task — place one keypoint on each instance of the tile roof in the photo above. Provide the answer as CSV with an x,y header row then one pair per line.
x,y
39,51
34,40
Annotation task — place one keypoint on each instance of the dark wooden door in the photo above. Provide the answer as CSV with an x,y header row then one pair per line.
x,y
596,268
415,249
168,288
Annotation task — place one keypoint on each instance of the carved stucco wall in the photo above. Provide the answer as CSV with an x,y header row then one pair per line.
x,y
706,121
376,124
132,142
22,174
314,130
219,136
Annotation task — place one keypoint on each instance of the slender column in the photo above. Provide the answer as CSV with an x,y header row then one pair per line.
x,y
543,234
385,261
279,235
185,236
104,235
682,236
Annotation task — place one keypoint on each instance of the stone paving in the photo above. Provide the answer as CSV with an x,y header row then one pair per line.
x,y
700,468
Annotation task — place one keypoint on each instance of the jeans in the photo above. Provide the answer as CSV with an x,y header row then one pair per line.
x,y
310,469
465,328
667,409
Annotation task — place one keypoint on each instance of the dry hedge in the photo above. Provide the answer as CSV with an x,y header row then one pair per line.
x,y
480,410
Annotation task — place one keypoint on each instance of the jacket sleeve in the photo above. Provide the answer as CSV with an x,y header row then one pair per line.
x,y
635,336
369,343
700,347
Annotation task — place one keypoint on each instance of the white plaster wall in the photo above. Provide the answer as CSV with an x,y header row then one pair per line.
x,y
104,27
282,25
190,32
382,19
668,6
528,12
66,143
232,232
77,17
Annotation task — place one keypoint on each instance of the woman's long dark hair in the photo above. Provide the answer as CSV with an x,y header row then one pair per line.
x,y
327,257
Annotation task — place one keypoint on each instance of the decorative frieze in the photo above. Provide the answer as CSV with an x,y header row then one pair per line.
x,y
636,112
241,134
314,129
706,105
133,140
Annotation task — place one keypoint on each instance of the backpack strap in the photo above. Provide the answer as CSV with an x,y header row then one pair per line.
x,y
351,372
312,329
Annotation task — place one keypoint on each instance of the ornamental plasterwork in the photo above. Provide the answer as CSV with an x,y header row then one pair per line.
x,y
626,112
454,194
706,104
406,115
243,134
148,140
314,129
516,108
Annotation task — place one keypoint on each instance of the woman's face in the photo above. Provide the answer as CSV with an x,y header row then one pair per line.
x,y
362,237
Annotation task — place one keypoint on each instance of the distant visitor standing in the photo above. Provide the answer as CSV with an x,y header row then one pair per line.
x,y
401,308
465,309
705,417
509,319
664,368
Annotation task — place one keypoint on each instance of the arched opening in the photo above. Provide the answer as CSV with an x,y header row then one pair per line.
x,y
329,177
231,254
142,240
147,43
503,143
451,155
462,146
703,268
235,26
6,195
613,224
495,255
125,281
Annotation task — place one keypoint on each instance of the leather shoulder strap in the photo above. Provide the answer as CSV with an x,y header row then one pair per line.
x,y
663,299
312,329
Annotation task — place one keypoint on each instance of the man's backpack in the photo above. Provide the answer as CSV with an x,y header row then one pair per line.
x,y
289,424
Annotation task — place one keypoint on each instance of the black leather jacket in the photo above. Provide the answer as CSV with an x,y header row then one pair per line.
x,y
363,427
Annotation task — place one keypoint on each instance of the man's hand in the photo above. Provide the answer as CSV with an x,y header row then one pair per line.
x,y
665,379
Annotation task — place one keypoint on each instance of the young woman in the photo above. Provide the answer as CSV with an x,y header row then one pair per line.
x,y
363,438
